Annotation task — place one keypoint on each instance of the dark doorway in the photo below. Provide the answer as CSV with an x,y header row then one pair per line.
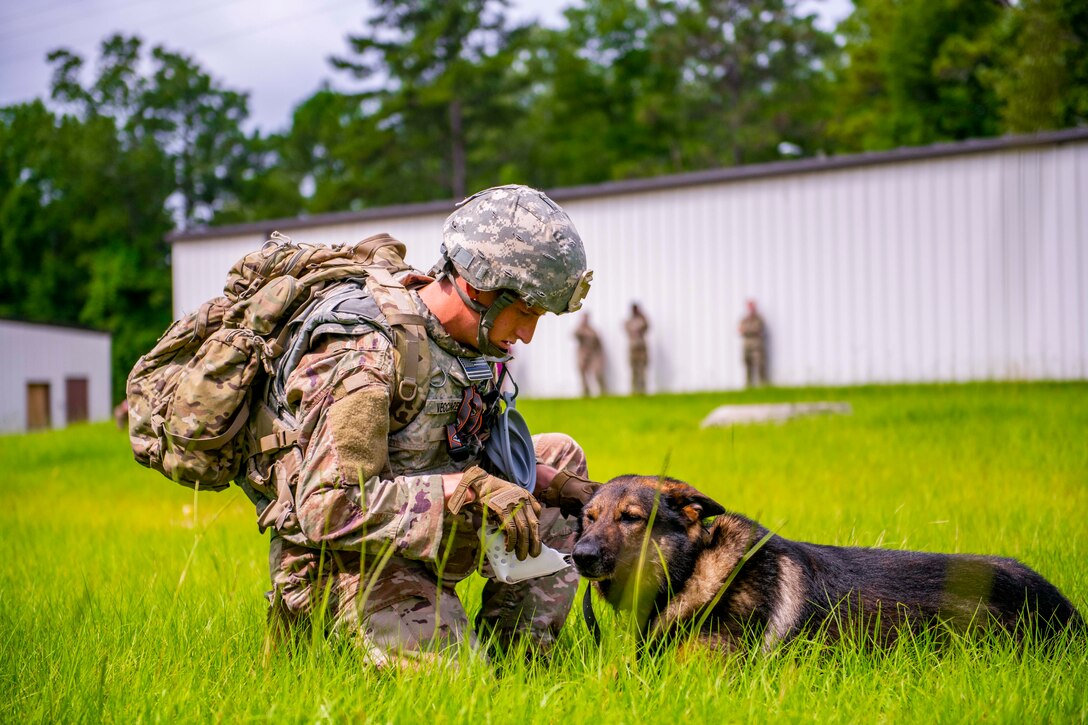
x,y
75,399
37,406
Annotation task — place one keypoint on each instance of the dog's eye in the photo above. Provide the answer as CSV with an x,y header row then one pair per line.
x,y
590,517
629,518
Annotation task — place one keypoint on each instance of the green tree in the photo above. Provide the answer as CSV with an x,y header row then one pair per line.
x,y
266,186
601,101
345,159
82,223
1043,79
916,72
88,193
437,72
199,125
636,89
753,73
179,107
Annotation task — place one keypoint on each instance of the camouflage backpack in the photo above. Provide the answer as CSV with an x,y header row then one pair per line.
x,y
190,396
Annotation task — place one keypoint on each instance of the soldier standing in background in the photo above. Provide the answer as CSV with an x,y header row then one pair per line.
x,y
120,415
636,327
590,357
753,333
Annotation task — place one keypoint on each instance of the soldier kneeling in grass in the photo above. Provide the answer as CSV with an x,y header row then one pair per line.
x,y
364,448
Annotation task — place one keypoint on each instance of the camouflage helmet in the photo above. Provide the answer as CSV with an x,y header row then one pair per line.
x,y
515,238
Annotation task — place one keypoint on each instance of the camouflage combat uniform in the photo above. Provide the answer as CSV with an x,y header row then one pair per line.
x,y
370,544
753,335
637,326
590,358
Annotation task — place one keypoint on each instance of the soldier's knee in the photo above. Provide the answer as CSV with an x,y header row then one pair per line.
x,y
415,630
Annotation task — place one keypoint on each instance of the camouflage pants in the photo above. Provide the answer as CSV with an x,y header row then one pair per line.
x,y
639,361
591,370
400,611
755,366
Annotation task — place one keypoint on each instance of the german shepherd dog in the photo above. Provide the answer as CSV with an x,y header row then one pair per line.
x,y
646,546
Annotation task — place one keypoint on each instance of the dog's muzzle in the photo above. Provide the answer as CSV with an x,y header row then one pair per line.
x,y
588,560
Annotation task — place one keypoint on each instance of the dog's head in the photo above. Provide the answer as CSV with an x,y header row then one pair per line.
x,y
627,511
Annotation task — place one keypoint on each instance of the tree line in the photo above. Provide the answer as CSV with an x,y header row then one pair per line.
x,y
451,96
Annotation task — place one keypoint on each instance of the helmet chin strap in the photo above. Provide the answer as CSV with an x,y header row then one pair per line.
x,y
487,317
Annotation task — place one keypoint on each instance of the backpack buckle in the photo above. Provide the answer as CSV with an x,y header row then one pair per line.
x,y
277,440
407,389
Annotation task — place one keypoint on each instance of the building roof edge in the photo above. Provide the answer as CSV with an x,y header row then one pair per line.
x,y
657,183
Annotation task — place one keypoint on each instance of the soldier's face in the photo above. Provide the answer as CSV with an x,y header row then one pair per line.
x,y
517,322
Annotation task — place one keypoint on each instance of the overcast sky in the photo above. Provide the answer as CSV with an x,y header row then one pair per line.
x,y
277,50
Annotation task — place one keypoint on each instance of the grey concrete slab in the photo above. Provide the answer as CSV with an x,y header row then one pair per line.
x,y
727,415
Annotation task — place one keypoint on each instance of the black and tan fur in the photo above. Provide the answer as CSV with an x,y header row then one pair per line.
x,y
674,577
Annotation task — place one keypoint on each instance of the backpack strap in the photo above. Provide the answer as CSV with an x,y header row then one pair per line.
x,y
413,352
343,312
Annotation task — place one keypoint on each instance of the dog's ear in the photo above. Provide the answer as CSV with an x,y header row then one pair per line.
x,y
689,501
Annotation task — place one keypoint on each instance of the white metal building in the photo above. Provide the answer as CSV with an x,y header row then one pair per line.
x,y
960,261
52,375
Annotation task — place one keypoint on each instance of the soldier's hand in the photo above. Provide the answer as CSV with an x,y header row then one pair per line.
x,y
569,492
514,508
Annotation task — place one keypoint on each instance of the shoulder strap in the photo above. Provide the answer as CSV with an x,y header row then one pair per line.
x,y
393,312
413,353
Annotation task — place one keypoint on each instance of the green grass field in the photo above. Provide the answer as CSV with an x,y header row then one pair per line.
x,y
123,598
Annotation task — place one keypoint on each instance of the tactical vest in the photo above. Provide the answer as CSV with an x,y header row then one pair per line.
x,y
417,446
421,448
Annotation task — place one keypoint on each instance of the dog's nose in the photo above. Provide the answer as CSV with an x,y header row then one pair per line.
x,y
586,554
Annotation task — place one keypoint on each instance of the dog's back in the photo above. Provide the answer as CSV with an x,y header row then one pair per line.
x,y
882,592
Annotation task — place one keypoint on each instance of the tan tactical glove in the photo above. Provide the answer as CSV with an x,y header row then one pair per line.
x,y
569,492
514,508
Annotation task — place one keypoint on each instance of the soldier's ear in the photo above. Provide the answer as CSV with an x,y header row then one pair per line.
x,y
689,502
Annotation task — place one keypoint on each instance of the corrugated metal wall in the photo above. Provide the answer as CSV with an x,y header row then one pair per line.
x,y
48,355
948,268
